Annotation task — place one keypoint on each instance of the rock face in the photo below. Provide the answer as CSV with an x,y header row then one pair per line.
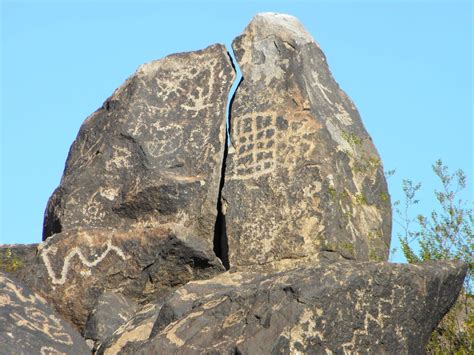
x,y
329,308
29,326
109,313
302,174
152,154
73,269
135,329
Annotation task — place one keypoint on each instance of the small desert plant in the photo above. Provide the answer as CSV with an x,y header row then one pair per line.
x,y
8,261
447,234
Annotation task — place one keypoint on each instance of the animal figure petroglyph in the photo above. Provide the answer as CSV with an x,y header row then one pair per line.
x,y
76,251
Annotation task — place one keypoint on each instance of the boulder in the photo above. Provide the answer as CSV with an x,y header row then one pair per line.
x,y
302,174
73,269
152,154
109,313
134,330
28,325
333,307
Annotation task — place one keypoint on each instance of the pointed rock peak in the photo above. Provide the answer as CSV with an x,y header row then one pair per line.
x,y
298,143
267,44
284,26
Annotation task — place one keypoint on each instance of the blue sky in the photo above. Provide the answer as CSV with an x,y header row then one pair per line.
x,y
406,64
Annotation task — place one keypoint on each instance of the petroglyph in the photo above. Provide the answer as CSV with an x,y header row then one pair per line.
x,y
35,319
19,293
168,140
29,326
76,251
167,119
256,148
48,350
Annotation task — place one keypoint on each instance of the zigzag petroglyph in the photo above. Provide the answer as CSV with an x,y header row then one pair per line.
x,y
67,260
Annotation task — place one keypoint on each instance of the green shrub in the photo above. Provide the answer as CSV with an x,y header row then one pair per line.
x,y
446,234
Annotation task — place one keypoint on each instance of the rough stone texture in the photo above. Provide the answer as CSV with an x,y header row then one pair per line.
x,y
136,329
109,313
73,269
152,154
15,257
302,174
29,326
346,307
136,212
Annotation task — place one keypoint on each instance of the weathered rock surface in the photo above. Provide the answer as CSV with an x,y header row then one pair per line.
x,y
134,330
109,313
348,307
14,257
29,326
302,174
152,154
73,269
143,220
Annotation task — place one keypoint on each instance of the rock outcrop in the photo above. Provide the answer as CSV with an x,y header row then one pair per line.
x,y
302,175
152,154
73,269
29,326
157,201
325,309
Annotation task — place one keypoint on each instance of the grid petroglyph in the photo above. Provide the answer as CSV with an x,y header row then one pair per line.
x,y
256,147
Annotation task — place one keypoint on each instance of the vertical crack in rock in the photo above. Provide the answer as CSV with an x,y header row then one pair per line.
x,y
221,246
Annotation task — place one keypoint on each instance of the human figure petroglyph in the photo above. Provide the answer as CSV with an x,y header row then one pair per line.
x,y
76,251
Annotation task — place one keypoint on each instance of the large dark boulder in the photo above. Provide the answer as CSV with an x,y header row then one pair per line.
x,y
73,269
28,325
330,308
152,154
302,174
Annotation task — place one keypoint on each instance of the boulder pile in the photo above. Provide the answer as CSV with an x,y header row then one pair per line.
x,y
177,229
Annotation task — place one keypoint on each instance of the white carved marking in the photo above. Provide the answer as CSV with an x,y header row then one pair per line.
x,y
48,350
169,140
255,146
67,260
